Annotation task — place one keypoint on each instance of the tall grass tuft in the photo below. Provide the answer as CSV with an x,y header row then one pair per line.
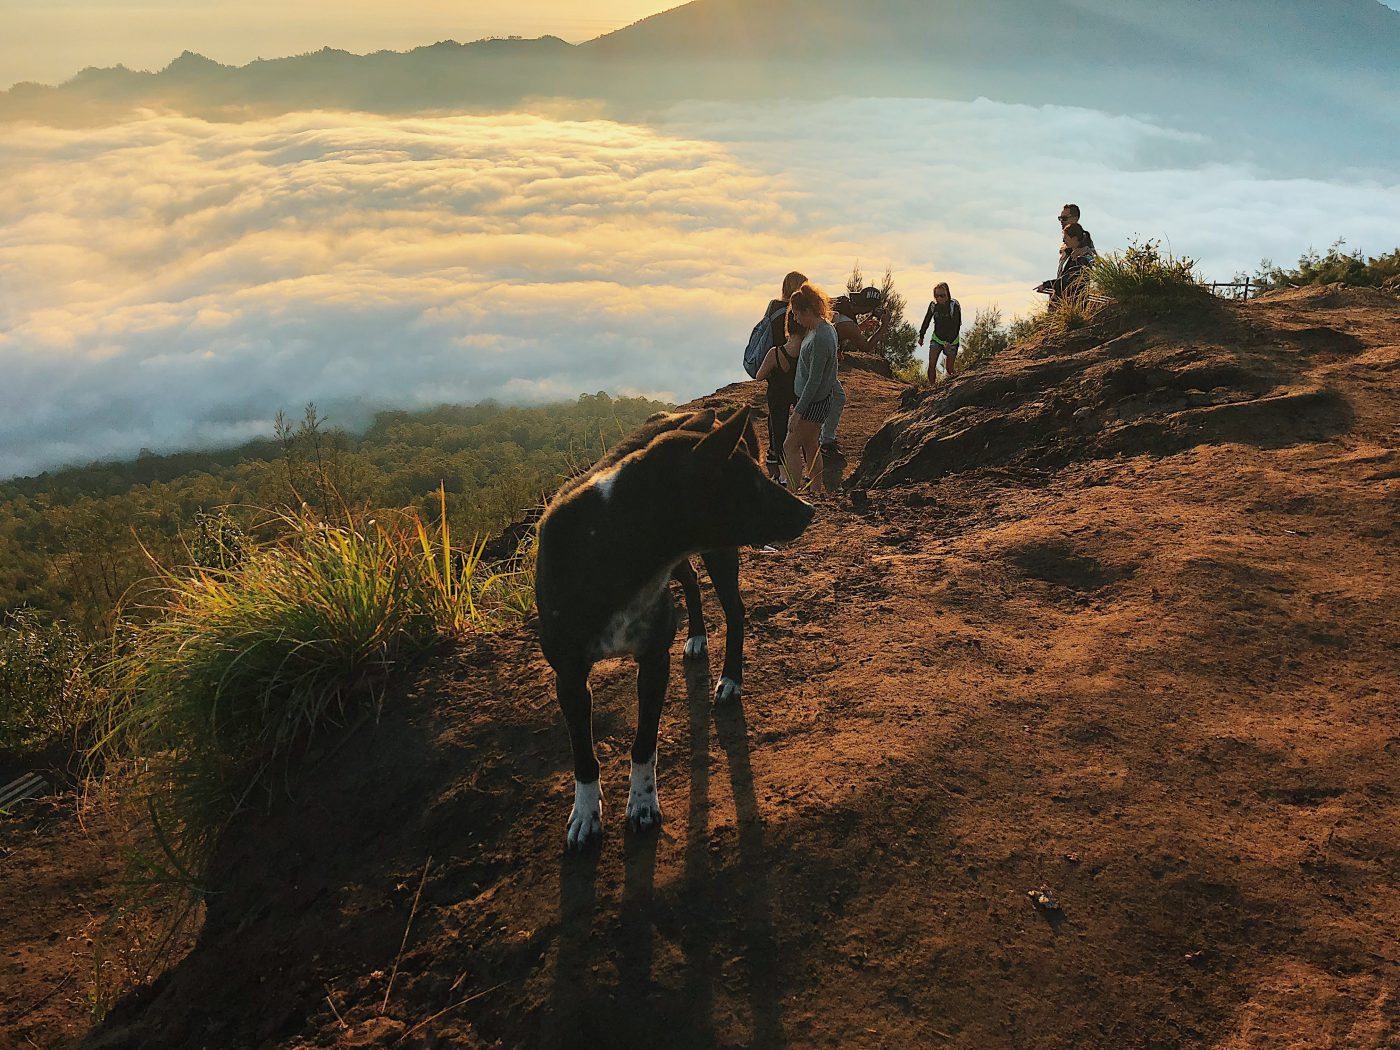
x,y
242,665
1144,273
1070,313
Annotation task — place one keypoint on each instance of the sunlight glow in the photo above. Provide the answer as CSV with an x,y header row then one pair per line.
x,y
51,41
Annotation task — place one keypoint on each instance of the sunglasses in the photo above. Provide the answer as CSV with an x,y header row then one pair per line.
x,y
1066,219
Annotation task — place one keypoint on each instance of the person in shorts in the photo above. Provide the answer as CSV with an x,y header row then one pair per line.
x,y
777,370
945,314
813,384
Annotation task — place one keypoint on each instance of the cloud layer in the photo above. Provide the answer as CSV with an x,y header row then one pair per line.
x,y
169,283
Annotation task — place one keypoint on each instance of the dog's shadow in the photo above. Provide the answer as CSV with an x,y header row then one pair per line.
x,y
717,898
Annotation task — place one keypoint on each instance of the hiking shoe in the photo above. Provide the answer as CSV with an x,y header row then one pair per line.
x,y
831,448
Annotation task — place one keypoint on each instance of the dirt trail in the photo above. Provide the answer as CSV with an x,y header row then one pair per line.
x,y
1158,685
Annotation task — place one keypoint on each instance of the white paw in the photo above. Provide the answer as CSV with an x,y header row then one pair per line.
x,y
586,818
696,647
643,807
727,692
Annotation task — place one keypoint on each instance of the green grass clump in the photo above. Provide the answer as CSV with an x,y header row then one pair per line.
x,y
233,667
1144,273
1070,313
218,692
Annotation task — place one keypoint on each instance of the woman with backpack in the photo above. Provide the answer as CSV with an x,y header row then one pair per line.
x,y
779,369
776,367
813,383
945,314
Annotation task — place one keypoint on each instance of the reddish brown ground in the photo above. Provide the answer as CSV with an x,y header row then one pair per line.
x,y
1161,687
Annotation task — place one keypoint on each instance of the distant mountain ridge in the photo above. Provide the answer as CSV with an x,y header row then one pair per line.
x,y
1260,68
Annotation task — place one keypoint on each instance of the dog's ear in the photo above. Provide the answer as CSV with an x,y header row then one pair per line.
x,y
701,422
721,442
750,440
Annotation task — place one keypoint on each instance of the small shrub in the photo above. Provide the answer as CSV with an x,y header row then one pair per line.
x,y
1336,267
1144,273
914,373
217,541
986,338
47,691
1022,328
900,344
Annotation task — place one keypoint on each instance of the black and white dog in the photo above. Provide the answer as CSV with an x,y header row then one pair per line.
x,y
609,545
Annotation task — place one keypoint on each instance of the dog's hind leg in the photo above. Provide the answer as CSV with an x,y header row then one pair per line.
x,y
723,567
576,702
653,675
696,644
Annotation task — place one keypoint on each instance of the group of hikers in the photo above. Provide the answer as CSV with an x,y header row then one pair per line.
x,y
796,349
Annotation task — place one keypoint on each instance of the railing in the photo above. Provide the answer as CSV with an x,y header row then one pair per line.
x,y
1237,290
31,785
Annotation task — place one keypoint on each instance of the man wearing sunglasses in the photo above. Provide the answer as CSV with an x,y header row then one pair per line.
x,y
1069,216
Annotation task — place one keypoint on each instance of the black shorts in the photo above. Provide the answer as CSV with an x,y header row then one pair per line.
x,y
817,411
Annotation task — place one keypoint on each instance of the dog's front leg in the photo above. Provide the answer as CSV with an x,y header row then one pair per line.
x,y
576,702
653,675
696,644
723,567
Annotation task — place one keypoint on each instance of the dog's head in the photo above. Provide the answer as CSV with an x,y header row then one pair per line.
x,y
728,497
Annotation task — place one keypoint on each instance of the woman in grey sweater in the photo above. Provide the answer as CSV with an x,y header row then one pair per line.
x,y
813,383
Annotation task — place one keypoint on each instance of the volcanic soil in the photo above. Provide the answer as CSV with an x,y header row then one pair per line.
x,y
1070,722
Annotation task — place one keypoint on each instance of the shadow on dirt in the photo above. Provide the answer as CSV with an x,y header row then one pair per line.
x,y
722,914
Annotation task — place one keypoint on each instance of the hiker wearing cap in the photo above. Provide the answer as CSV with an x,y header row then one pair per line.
x,y
845,311
945,314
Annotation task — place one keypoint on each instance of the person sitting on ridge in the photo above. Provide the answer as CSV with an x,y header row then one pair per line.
x,y
846,309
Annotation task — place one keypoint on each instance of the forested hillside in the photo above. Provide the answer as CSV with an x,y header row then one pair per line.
x,y
73,542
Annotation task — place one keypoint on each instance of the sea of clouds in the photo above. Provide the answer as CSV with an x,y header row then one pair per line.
x,y
170,283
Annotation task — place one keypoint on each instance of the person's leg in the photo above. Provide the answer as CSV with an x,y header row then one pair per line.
x,y
778,424
809,440
950,358
833,416
818,486
774,454
793,460
933,354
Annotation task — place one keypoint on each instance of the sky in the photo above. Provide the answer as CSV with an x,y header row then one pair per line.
x,y
169,283
50,40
